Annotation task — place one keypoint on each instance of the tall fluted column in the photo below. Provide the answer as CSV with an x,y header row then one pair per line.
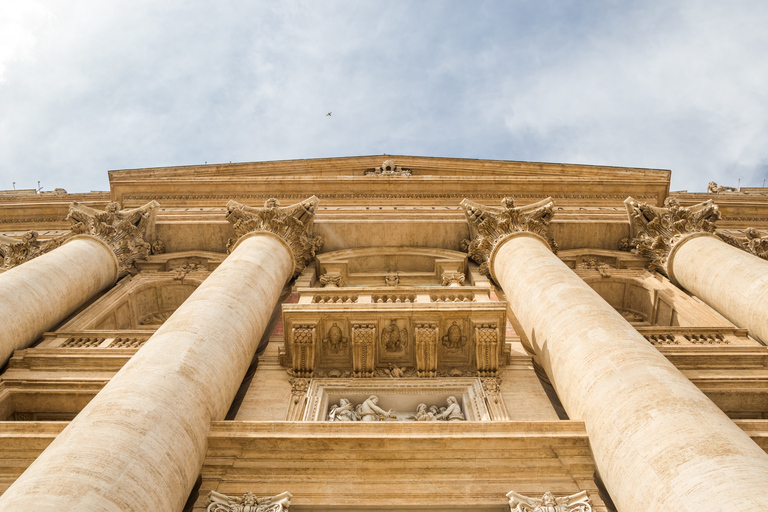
x,y
680,243
658,442
49,286
140,443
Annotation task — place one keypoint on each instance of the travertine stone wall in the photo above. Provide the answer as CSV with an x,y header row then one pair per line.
x,y
730,280
37,295
140,443
658,442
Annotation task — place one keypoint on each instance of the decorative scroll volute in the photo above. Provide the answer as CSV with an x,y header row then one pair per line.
x,y
15,251
487,349
128,233
425,335
294,224
363,351
656,230
578,502
249,502
304,340
488,225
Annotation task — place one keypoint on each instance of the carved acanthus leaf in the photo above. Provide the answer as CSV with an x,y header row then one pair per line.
x,y
128,233
291,223
656,230
754,243
488,225
578,502
249,502
15,251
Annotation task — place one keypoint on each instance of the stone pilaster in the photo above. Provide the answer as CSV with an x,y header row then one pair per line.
x,y
140,443
635,404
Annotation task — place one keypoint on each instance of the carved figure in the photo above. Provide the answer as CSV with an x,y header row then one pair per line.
x,y
422,414
714,188
578,502
393,338
218,502
370,410
453,339
292,223
335,341
452,412
344,411
489,225
392,280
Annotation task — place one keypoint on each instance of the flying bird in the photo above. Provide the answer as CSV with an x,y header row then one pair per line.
x,y
328,114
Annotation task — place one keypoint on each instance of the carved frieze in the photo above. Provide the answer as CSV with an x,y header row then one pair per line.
x,y
487,349
128,233
656,230
15,251
249,502
578,502
363,349
489,225
754,243
294,224
303,337
425,336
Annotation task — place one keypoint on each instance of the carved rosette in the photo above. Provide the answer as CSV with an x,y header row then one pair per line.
x,y
578,502
294,224
754,243
249,502
487,349
15,251
489,225
303,337
363,349
656,230
128,233
425,339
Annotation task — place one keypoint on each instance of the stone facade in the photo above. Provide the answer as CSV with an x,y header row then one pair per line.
x,y
384,333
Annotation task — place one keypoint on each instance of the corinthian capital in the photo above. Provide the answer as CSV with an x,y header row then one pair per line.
x,y
291,223
655,230
488,225
15,251
126,232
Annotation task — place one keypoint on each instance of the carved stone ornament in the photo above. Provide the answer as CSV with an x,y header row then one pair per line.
x,y
655,230
293,224
489,225
388,168
393,338
454,339
578,502
218,502
754,243
15,251
453,278
392,280
714,188
331,280
335,341
128,233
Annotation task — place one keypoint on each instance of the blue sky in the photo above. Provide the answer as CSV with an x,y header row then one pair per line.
x,y
88,86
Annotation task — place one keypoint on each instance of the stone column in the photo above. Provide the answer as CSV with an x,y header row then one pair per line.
x,y
680,242
46,281
140,443
658,442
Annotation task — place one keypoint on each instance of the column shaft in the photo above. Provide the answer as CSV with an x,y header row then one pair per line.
x,y
39,294
731,281
659,443
140,443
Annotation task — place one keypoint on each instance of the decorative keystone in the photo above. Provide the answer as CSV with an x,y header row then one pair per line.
x,y
489,225
291,223
654,230
128,233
